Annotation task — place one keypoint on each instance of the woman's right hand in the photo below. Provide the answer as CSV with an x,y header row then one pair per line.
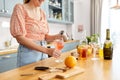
x,y
54,52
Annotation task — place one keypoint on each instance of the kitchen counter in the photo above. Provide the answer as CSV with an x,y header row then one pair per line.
x,y
8,51
14,50
93,70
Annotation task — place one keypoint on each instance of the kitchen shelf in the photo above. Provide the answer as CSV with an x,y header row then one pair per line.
x,y
54,7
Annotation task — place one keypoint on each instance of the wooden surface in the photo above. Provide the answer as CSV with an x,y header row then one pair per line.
x,y
62,75
8,51
94,70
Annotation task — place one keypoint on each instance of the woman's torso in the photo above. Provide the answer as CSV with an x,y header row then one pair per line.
x,y
35,29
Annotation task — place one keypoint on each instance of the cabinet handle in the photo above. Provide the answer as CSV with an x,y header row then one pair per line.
x,y
2,11
6,11
6,57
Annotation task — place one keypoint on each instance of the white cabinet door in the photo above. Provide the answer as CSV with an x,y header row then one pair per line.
x,y
9,5
66,10
71,15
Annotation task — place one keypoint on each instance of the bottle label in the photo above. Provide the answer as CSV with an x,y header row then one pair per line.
x,y
108,44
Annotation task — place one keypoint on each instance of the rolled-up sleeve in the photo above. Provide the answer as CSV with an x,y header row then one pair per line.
x,y
17,22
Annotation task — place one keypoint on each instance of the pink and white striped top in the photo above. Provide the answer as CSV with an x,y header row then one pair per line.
x,y
22,24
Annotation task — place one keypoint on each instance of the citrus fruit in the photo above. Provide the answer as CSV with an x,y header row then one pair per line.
x,y
70,61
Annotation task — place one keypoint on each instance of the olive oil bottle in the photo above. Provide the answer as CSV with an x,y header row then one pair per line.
x,y
108,46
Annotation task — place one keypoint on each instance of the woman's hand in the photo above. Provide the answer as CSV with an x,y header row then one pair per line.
x,y
58,36
56,53
51,38
53,52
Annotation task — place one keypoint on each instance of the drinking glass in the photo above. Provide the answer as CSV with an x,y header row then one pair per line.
x,y
95,47
83,53
59,44
94,52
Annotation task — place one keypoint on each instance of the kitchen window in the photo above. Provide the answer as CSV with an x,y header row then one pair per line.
x,y
110,19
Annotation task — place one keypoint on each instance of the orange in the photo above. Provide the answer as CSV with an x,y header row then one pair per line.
x,y
70,61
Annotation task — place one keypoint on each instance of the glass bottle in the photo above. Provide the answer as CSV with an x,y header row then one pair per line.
x,y
108,46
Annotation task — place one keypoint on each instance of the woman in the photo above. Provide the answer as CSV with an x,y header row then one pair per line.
x,y
30,28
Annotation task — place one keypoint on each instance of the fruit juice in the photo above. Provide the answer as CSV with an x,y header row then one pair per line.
x,y
101,53
79,49
84,53
59,45
89,51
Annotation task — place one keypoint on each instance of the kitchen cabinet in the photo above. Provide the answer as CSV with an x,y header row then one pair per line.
x,y
68,11
6,6
60,11
71,12
8,62
44,6
70,45
55,9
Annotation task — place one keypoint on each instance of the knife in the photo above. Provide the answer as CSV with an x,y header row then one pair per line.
x,y
50,68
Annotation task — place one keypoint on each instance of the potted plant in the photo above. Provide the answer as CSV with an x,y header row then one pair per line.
x,y
93,38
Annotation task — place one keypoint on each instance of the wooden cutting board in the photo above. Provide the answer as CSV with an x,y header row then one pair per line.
x,y
62,75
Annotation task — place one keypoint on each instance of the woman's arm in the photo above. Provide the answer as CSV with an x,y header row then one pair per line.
x,y
32,45
50,38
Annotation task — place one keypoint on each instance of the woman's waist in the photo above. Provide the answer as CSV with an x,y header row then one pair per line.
x,y
38,42
36,37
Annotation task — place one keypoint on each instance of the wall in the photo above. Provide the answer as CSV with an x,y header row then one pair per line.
x,y
5,33
81,17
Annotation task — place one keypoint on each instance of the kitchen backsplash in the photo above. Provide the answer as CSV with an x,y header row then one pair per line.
x,y
5,36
